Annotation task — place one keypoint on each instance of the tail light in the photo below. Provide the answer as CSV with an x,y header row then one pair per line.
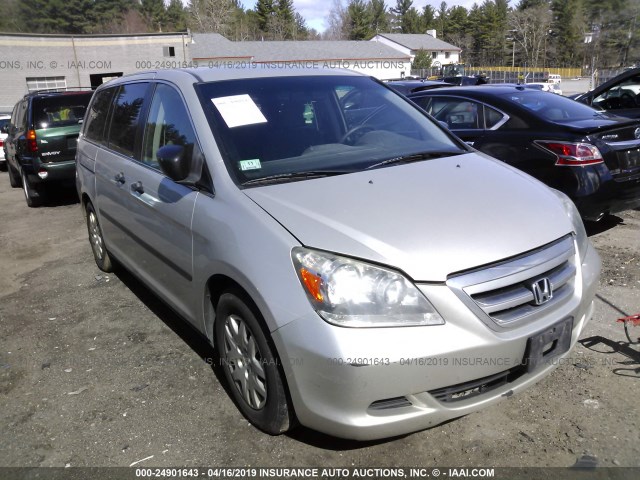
x,y
32,143
1,143
572,154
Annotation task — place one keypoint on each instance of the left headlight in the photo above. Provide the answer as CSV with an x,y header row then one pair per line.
x,y
352,293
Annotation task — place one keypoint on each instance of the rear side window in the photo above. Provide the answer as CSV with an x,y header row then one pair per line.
x,y
126,113
458,113
168,124
59,111
96,120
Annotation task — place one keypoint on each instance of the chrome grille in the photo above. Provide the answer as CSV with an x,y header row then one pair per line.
x,y
504,292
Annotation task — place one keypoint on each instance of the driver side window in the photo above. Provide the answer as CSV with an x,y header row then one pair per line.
x,y
167,124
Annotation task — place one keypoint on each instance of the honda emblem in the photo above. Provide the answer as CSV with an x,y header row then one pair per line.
x,y
542,291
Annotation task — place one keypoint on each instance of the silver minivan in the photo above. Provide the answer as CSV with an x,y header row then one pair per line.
x,y
358,269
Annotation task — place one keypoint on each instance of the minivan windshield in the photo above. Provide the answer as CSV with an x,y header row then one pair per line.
x,y
292,128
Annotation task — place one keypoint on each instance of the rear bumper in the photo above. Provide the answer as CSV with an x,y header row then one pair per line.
x,y
612,196
55,172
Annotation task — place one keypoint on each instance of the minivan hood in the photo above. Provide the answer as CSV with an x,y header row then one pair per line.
x,y
428,219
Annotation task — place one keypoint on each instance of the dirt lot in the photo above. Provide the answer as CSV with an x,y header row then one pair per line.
x,y
95,371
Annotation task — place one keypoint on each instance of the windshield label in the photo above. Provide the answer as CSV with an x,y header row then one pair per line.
x,y
238,110
250,164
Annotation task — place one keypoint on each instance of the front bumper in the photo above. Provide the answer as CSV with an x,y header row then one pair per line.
x,y
369,383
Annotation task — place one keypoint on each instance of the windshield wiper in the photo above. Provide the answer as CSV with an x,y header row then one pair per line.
x,y
416,157
294,176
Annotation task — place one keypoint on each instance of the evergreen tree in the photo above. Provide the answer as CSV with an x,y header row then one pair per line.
x,y
429,18
265,9
359,20
155,14
176,16
379,17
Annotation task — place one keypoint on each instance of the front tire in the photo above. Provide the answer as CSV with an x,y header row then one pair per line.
x,y
250,365
100,253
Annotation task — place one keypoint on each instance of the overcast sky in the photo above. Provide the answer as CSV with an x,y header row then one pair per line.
x,y
315,12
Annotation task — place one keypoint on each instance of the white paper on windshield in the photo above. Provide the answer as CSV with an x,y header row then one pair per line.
x,y
238,110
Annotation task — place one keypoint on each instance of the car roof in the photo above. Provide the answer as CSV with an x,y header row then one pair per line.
x,y
488,90
409,86
213,74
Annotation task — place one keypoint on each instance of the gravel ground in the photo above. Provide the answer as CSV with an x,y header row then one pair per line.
x,y
95,371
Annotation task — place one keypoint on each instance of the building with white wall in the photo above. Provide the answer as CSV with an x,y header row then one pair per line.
x,y
409,44
31,62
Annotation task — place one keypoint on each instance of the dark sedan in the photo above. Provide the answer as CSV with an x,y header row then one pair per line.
x,y
592,156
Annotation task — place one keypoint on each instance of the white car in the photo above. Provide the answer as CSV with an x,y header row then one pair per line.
x,y
4,120
545,87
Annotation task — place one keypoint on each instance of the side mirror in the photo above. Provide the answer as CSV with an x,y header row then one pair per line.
x,y
173,162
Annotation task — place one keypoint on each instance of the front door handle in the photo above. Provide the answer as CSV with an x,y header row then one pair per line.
x,y
119,178
137,188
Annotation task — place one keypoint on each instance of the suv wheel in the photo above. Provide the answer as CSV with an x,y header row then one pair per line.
x,y
14,176
250,365
31,194
100,254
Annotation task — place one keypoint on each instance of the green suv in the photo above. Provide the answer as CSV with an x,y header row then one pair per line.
x,y
42,140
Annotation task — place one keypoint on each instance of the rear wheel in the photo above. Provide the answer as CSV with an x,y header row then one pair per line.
x,y
31,193
14,176
250,365
100,254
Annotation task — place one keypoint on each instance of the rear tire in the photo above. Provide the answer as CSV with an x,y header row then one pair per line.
x,y
31,194
14,177
250,364
100,253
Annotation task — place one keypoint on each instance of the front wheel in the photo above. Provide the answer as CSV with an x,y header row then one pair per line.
x,y
250,365
100,254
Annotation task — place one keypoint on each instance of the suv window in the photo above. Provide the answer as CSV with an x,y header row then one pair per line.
x,y
126,113
60,110
96,120
167,124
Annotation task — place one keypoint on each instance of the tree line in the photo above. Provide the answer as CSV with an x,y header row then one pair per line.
x,y
530,33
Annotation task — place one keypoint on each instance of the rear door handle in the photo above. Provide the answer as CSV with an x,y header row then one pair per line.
x,y
137,188
119,178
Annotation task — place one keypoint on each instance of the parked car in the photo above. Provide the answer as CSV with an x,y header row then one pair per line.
x,y
357,267
4,121
554,78
42,139
620,95
591,156
410,86
545,87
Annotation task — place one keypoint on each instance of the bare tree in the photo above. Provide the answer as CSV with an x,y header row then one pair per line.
x,y
530,28
337,20
211,15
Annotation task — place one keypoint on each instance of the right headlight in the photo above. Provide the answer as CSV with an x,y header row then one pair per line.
x,y
576,220
352,293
